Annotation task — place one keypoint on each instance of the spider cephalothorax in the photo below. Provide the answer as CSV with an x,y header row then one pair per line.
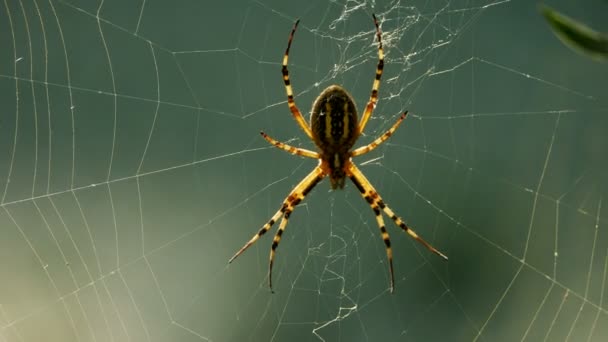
x,y
334,128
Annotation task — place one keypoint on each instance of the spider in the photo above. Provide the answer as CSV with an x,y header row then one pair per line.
x,y
334,130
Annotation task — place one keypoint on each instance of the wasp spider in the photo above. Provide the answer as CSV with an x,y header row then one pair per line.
x,y
334,129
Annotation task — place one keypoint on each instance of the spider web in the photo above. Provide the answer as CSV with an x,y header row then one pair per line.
x,y
131,169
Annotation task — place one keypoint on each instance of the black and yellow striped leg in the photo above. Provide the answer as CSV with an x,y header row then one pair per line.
x,y
369,108
262,231
294,198
275,244
373,198
387,241
291,149
289,90
369,147
412,233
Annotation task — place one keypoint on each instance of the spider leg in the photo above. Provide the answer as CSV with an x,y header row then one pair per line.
x,y
275,244
290,101
371,196
376,85
387,242
294,198
291,149
369,147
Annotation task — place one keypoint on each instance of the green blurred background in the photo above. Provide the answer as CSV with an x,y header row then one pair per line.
x,y
131,169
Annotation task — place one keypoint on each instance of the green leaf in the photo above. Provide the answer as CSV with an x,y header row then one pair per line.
x,y
576,35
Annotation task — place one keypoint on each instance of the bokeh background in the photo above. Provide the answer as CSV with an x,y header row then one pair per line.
x,y
131,169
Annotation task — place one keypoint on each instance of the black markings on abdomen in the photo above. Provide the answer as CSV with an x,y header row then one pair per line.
x,y
337,125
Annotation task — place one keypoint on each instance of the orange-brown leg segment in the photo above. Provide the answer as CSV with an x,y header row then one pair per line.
x,y
369,147
369,108
373,198
293,199
291,149
290,101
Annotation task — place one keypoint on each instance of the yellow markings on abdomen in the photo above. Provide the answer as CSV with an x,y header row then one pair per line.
x,y
345,122
334,122
328,125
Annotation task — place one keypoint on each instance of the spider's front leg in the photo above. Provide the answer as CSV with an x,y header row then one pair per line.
x,y
294,198
375,201
371,195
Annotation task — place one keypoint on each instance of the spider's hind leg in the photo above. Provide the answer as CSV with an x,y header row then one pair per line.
x,y
373,98
289,90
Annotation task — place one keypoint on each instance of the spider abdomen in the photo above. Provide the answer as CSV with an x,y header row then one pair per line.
x,y
334,125
334,120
